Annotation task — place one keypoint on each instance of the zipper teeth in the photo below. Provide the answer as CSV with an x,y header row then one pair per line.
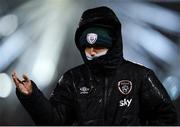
x,y
105,97
105,93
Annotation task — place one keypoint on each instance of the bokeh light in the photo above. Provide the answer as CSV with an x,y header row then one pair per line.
x,y
5,85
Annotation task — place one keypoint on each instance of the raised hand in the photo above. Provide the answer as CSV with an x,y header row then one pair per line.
x,y
24,86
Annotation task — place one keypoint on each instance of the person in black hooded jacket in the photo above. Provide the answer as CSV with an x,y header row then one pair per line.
x,y
106,89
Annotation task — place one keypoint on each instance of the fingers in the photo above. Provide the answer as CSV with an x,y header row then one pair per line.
x,y
18,81
15,79
26,78
24,86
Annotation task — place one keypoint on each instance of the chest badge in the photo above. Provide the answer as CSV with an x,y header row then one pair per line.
x,y
125,86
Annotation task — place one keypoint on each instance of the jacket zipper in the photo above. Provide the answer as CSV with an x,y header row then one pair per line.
x,y
105,98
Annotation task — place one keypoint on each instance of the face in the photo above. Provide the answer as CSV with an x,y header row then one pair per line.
x,y
93,52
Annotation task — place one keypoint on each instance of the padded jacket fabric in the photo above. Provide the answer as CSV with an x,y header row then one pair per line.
x,y
84,99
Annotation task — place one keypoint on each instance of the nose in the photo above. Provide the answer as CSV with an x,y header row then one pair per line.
x,y
92,51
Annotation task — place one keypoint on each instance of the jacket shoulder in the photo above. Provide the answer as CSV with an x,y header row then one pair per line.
x,y
69,74
77,71
138,67
78,68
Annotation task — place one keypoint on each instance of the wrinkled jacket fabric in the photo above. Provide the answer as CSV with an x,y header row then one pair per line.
x,y
107,91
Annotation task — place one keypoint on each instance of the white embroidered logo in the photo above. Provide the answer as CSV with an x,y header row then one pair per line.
x,y
84,90
125,86
125,102
91,38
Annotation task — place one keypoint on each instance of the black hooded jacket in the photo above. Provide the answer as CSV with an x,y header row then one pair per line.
x,y
106,91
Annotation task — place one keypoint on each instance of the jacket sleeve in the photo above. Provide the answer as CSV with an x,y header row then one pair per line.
x,y
156,105
58,110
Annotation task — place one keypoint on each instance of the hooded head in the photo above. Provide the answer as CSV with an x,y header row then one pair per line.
x,y
103,25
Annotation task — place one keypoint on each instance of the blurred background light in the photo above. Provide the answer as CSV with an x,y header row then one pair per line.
x,y
151,14
152,41
8,24
172,85
43,71
5,85
11,48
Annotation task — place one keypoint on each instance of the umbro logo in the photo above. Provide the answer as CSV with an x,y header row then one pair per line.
x,y
84,90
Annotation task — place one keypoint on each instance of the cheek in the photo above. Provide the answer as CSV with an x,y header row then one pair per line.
x,y
87,52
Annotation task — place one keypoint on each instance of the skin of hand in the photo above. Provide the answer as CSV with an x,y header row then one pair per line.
x,y
24,86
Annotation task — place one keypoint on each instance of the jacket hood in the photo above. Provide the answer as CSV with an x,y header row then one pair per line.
x,y
106,18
